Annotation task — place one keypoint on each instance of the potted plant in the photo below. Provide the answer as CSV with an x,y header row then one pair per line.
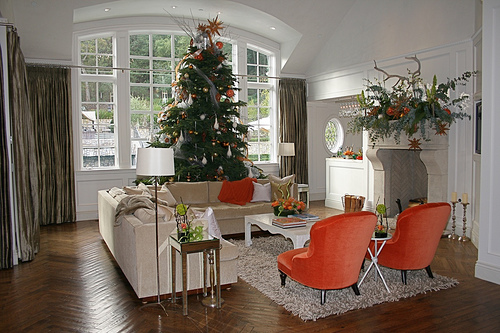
x,y
380,229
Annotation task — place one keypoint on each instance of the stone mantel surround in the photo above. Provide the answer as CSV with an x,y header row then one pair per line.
x,y
434,155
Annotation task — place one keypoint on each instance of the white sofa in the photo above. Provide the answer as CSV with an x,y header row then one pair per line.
x,y
131,238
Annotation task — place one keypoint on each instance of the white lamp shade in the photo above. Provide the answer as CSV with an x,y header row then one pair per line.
x,y
286,149
155,162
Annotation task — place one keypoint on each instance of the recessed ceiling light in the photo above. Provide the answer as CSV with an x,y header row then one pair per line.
x,y
272,28
107,9
174,7
218,13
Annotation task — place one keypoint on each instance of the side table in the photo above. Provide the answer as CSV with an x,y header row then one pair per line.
x,y
374,258
304,188
208,243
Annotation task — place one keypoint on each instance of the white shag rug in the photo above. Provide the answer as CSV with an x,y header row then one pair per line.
x,y
257,265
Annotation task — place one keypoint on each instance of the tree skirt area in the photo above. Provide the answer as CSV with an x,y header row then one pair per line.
x,y
257,265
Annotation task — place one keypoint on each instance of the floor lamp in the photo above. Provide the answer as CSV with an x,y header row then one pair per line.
x,y
156,162
285,149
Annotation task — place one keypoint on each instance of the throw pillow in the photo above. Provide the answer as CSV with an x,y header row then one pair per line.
x,y
238,192
281,187
261,192
116,191
165,195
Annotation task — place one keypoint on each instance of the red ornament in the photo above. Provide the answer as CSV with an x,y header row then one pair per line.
x,y
219,45
230,93
193,95
199,57
217,97
220,58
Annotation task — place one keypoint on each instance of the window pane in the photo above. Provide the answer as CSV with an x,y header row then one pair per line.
x,y
140,126
252,114
163,77
181,45
251,57
227,49
105,92
139,45
252,97
90,158
87,46
89,92
252,70
139,76
105,61
160,97
161,46
88,60
264,97
139,98
263,59
263,73
105,45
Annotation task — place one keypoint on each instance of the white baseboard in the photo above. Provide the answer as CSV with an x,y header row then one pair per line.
x,y
487,272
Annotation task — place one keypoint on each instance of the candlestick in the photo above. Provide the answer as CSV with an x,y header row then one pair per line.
x,y
464,238
465,198
454,197
453,218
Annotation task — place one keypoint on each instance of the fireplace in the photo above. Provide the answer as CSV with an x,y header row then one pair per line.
x,y
400,173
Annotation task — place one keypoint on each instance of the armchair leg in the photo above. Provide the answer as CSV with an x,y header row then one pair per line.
x,y
355,288
403,276
283,278
323,296
429,272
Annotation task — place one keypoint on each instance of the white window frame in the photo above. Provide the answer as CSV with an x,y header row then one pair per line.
x,y
121,80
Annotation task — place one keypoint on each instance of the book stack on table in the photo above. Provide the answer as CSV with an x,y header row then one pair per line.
x,y
289,222
306,216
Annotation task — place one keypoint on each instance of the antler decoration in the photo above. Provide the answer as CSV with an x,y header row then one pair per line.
x,y
400,77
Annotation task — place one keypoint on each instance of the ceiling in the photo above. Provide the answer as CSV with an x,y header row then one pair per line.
x,y
297,25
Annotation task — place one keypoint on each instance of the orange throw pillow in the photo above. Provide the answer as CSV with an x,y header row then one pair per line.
x,y
237,192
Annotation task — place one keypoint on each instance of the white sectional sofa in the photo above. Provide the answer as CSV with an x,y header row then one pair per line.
x,y
131,238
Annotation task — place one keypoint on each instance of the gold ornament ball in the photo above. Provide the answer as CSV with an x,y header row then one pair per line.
x,y
221,88
205,89
215,154
186,75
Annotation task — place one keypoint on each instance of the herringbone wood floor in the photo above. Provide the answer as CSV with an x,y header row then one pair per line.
x,y
74,285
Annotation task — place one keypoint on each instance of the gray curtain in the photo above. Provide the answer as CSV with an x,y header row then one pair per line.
x,y
23,153
50,100
293,127
5,218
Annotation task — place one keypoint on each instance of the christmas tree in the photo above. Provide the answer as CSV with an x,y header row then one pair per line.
x,y
201,123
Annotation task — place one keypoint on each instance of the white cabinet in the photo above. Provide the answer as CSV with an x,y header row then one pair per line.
x,y
344,176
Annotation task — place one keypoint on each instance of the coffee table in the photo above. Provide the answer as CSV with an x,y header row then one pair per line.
x,y
299,235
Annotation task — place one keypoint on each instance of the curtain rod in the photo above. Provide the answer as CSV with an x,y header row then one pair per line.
x,y
131,69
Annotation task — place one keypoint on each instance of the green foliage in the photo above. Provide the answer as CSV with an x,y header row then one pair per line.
x,y
409,107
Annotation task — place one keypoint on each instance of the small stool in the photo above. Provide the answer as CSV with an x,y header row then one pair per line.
x,y
304,188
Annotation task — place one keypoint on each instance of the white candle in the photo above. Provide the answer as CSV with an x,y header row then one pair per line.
x,y
454,197
465,198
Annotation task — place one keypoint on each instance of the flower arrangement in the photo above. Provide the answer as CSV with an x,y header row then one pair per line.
x,y
289,206
409,106
185,232
381,229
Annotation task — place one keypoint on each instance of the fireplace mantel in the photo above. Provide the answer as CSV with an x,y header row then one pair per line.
x,y
434,156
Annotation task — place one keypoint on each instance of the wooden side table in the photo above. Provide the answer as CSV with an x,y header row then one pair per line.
x,y
208,243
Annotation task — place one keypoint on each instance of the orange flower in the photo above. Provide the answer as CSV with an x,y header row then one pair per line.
x,y
380,227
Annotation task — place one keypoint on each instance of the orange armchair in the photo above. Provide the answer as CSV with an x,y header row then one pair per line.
x,y
416,238
334,256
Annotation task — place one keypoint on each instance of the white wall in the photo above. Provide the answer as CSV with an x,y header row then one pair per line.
x,y
488,263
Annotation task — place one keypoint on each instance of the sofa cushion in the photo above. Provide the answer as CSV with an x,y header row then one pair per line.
x,y
189,193
237,192
165,195
214,190
261,192
133,190
146,215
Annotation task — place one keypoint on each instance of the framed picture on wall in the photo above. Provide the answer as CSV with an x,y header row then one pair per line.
x,y
479,118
